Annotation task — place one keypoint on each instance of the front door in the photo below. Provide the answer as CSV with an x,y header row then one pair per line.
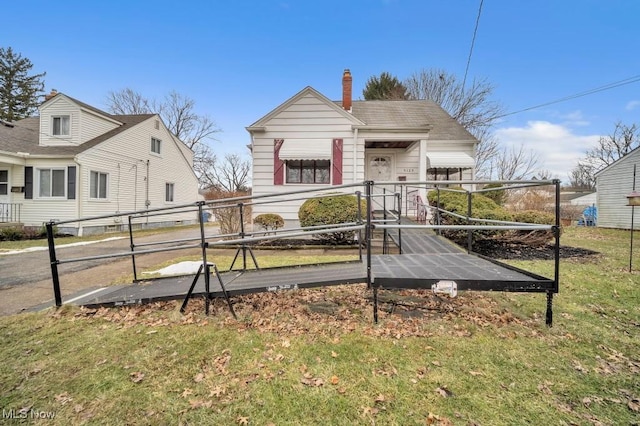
x,y
380,167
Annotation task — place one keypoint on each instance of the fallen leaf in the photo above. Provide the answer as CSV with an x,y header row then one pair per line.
x,y
198,403
286,343
136,376
199,377
380,398
242,420
186,392
476,373
334,380
63,398
444,392
634,405
334,354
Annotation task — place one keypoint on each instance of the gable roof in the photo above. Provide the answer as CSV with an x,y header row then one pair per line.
x,y
24,136
295,98
413,113
622,159
81,104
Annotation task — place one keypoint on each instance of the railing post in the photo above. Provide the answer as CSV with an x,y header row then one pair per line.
x,y
385,233
399,194
438,208
54,264
368,230
469,232
133,256
359,197
244,246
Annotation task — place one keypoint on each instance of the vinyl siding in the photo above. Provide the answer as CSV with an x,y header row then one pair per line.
x,y
614,184
83,125
39,210
125,158
307,119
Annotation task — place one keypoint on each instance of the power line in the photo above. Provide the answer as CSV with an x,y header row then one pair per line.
x,y
473,42
609,86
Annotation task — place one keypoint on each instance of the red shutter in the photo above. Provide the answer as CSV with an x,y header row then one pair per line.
x,y
278,164
337,162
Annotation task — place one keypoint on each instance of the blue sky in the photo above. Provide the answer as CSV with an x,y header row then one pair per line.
x,y
240,59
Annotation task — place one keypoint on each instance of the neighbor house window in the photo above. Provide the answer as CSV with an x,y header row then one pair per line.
x,y
61,125
98,185
155,145
168,193
308,171
4,182
51,183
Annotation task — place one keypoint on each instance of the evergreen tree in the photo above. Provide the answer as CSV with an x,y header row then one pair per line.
x,y
19,91
384,87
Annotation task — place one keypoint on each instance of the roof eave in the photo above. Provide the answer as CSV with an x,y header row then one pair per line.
x,y
420,129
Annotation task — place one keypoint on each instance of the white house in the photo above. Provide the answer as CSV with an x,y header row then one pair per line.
x,y
614,183
76,161
310,142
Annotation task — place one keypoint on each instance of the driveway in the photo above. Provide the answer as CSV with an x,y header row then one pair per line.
x,y
25,278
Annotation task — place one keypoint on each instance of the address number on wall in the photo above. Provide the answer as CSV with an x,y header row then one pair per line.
x,y
408,170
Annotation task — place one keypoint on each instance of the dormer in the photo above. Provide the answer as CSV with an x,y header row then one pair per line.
x,y
65,121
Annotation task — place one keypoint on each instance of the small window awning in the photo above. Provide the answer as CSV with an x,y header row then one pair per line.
x,y
306,149
450,160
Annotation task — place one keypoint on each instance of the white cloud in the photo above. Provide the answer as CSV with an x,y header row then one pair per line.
x,y
575,118
557,148
631,105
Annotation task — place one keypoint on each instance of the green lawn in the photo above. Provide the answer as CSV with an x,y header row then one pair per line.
x,y
479,359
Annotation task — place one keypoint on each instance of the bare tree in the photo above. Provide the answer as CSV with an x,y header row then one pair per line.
x,y
514,164
229,175
178,113
582,176
472,106
609,149
128,101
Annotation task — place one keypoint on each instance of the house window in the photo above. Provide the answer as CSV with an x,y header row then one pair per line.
x,y
4,182
155,145
308,171
61,125
51,183
98,185
168,193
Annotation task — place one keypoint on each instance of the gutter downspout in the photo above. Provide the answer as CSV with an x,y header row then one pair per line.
x,y
79,195
147,202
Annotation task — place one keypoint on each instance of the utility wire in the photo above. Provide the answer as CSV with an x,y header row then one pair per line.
x,y
609,86
473,42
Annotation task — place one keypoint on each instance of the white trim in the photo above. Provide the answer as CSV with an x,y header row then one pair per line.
x,y
36,192
99,199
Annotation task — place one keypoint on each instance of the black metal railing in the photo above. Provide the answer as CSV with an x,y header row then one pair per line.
x,y
385,196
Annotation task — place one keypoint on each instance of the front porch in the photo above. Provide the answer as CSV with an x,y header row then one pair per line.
x,y
10,214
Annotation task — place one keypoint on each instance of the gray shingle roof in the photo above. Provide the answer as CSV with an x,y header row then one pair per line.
x,y
24,136
414,113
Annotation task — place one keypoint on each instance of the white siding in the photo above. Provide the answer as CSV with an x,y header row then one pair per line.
x,y
127,159
39,210
83,126
614,184
307,119
92,126
59,107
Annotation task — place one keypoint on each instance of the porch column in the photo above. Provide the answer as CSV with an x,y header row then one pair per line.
x,y
422,167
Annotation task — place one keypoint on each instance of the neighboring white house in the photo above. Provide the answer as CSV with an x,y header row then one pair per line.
x,y
614,183
76,161
310,142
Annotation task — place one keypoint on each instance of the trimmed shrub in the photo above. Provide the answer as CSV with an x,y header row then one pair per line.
x,y
533,238
499,196
11,234
329,210
269,221
482,207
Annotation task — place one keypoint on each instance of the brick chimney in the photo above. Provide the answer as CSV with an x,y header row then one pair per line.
x,y
346,90
50,95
